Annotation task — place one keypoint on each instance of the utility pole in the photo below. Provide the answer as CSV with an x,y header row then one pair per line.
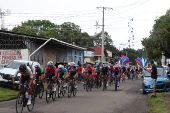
x,y
104,8
2,16
130,31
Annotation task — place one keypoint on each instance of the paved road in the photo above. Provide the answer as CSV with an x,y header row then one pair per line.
x,y
127,99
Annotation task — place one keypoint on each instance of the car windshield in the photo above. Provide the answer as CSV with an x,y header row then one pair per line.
x,y
160,72
14,65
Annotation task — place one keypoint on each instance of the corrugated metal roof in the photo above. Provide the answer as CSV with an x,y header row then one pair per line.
x,y
43,38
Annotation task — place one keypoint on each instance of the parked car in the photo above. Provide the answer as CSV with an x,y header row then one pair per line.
x,y
9,70
162,83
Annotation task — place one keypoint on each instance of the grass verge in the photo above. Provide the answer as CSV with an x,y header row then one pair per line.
x,y
156,105
7,94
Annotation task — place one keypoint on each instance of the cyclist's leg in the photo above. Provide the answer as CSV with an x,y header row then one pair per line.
x,y
106,80
27,79
118,79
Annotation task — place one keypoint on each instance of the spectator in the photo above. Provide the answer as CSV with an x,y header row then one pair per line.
x,y
153,72
168,69
79,72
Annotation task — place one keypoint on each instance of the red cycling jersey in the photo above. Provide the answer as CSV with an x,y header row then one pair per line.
x,y
111,69
50,70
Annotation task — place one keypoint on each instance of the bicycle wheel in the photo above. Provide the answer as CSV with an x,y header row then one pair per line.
x,y
41,91
69,91
115,83
36,90
91,85
59,90
87,87
48,93
74,91
104,84
64,91
53,95
30,107
19,103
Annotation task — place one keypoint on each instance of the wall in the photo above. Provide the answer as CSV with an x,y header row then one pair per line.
x,y
49,54
6,56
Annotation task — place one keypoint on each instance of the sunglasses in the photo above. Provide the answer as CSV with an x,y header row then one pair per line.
x,y
50,66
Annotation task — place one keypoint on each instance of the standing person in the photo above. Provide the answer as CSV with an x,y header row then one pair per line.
x,y
79,72
153,72
168,69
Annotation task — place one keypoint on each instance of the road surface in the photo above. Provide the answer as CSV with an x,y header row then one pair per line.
x,y
127,99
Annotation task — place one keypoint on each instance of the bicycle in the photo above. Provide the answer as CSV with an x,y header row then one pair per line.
x,y
49,92
116,83
97,81
104,83
89,83
111,80
39,88
61,88
22,99
72,88
123,78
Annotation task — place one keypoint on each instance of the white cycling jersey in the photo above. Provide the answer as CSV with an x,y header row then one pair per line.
x,y
28,72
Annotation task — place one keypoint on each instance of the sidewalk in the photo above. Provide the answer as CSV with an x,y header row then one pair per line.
x,y
166,98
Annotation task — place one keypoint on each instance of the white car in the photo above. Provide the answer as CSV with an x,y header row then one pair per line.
x,y
8,71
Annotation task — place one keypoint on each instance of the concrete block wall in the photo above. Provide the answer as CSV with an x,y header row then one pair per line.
x,y
50,54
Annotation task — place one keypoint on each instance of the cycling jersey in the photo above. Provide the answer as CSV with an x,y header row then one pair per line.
x,y
98,70
62,72
117,71
111,70
72,72
38,72
27,73
124,69
89,71
51,71
105,71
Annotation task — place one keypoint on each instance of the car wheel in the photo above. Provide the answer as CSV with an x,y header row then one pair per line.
x,y
144,92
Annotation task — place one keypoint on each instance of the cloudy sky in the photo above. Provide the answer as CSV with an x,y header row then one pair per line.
x,y
85,14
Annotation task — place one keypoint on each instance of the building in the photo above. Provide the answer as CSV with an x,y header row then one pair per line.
x,y
21,46
98,53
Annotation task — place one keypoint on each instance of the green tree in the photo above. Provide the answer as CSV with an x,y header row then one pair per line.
x,y
159,40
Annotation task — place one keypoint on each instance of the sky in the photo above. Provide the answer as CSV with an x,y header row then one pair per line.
x,y
117,15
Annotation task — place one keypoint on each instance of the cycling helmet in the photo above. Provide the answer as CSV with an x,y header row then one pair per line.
x,y
29,64
98,66
104,65
22,67
73,65
50,63
88,65
36,64
60,66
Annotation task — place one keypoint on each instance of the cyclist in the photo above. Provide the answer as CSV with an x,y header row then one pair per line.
x,y
30,65
89,71
26,76
62,73
105,72
51,73
38,72
117,72
123,72
128,72
73,73
97,73
111,69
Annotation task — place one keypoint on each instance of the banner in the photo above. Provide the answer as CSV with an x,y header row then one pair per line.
x,y
6,56
88,54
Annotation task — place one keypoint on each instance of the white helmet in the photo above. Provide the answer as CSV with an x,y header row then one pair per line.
x,y
60,66
29,64
50,63
36,64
